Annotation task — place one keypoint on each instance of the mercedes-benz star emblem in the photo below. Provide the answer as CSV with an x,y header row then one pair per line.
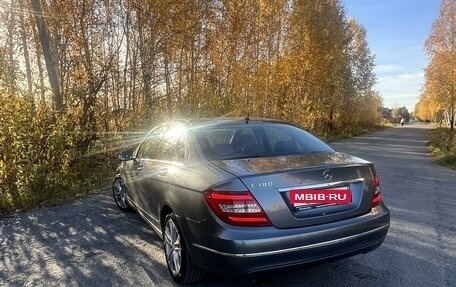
x,y
327,175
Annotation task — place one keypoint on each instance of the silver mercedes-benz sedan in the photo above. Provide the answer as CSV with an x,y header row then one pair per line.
x,y
241,196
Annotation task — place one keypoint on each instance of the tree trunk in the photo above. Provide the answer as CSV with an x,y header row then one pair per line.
x,y
28,70
127,53
132,92
180,77
167,84
331,120
39,63
51,63
146,68
11,71
452,113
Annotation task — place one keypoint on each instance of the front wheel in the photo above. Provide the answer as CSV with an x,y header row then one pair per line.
x,y
120,195
177,255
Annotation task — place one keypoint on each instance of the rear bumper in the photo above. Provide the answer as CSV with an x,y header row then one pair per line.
x,y
239,252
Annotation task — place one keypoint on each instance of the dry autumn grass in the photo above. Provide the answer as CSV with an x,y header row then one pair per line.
x,y
442,146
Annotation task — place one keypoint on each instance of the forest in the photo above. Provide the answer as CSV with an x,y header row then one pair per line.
x,y
437,101
438,97
82,79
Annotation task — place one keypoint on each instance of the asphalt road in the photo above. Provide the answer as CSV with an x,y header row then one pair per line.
x,y
91,243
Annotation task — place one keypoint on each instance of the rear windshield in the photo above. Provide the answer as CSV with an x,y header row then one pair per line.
x,y
257,140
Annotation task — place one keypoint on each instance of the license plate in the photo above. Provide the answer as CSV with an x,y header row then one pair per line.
x,y
320,197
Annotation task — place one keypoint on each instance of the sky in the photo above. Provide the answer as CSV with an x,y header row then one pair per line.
x,y
396,32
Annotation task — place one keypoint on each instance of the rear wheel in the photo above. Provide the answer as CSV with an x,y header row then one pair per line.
x,y
177,255
120,195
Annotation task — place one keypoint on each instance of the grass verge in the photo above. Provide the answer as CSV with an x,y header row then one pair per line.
x,y
442,146
329,137
89,176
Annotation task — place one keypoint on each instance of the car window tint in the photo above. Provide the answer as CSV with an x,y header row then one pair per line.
x,y
216,141
149,146
284,141
248,141
258,140
219,136
169,142
179,152
191,150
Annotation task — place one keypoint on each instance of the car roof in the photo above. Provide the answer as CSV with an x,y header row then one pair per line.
x,y
202,123
222,121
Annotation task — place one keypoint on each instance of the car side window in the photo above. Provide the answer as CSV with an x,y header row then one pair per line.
x,y
170,143
148,148
192,154
179,153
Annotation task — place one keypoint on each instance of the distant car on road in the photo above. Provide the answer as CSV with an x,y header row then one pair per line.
x,y
240,196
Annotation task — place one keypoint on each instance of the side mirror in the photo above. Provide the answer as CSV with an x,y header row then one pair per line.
x,y
126,155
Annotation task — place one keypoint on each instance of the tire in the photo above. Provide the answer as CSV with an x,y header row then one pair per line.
x,y
119,194
177,256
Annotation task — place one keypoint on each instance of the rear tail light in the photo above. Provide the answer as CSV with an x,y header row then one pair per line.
x,y
236,208
377,195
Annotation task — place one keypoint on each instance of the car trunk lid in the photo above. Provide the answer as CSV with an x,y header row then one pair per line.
x,y
272,179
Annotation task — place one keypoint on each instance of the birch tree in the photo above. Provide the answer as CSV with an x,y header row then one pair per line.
x,y
440,73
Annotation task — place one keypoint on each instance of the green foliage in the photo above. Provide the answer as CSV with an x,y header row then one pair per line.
x,y
39,161
442,145
399,113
